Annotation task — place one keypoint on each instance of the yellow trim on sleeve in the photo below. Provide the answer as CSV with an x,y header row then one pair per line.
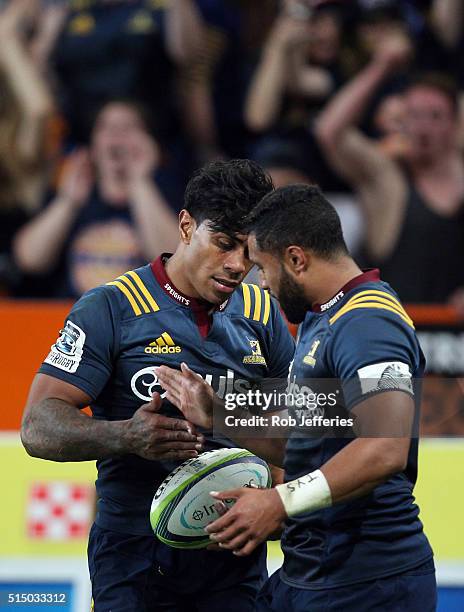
x,y
258,300
267,307
135,291
128,295
349,307
373,292
381,300
144,290
246,300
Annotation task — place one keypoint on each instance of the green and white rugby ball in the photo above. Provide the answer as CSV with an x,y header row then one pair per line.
x,y
183,507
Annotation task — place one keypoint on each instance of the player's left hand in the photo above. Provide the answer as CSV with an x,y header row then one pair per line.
x,y
189,392
256,514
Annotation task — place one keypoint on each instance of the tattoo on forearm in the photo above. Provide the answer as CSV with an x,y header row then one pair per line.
x,y
55,430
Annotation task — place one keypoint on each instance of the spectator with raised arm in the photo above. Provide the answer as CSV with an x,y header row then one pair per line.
x,y
213,85
26,106
300,61
414,210
109,213
124,48
447,20
300,67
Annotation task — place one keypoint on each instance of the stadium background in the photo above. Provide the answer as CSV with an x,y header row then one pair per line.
x,y
46,507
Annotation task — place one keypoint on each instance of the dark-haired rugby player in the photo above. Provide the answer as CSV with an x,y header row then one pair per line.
x,y
353,539
189,307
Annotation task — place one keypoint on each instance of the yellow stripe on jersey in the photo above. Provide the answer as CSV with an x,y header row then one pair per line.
x,y
374,292
134,290
128,295
373,298
246,300
253,303
167,338
144,290
267,307
379,296
258,300
349,307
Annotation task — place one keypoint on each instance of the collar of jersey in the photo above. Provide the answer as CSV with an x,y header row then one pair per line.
x,y
368,276
166,284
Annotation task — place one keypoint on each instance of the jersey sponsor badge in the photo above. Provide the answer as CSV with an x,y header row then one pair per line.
x,y
66,353
145,382
384,376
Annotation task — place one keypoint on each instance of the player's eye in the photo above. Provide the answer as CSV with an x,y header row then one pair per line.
x,y
225,246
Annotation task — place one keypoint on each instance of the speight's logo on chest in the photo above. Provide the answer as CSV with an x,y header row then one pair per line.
x,y
256,357
163,345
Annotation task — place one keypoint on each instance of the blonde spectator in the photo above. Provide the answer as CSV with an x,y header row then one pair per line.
x,y
26,106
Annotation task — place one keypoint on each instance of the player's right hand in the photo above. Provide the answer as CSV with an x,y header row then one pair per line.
x,y
157,437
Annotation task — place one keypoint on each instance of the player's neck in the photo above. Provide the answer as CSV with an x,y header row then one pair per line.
x,y
175,269
330,277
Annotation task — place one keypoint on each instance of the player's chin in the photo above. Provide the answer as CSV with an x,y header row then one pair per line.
x,y
218,298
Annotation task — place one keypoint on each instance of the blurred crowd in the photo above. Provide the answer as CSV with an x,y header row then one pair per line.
x,y
107,106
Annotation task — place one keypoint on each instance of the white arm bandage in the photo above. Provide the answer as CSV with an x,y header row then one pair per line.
x,y
306,494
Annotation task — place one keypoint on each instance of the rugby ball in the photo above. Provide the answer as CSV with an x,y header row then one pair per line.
x,y
182,506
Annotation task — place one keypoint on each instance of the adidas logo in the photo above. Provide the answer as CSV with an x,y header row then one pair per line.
x,y
163,345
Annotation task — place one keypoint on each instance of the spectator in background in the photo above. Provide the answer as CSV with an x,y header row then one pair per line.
x,y
109,214
389,125
300,67
286,166
376,16
414,210
26,105
447,19
214,84
124,48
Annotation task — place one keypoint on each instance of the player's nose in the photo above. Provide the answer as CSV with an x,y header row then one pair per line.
x,y
236,262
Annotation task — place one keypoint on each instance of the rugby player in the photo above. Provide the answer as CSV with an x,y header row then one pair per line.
x,y
353,539
189,307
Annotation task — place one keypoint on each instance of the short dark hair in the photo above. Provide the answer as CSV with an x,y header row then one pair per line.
x,y
441,82
297,215
225,192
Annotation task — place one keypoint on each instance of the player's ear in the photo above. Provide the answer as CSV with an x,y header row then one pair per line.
x,y
296,259
187,226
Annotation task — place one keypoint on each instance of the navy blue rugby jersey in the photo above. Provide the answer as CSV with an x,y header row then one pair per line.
x,y
116,334
361,338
